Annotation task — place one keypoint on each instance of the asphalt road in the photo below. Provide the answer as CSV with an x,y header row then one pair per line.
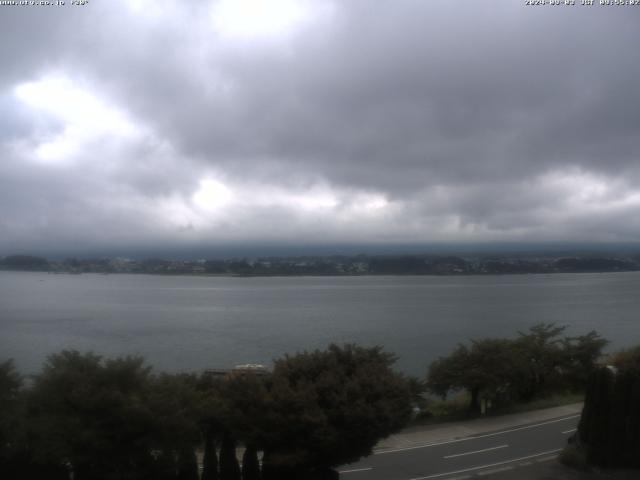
x,y
481,454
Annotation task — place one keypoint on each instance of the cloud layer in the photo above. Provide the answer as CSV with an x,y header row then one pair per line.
x,y
136,124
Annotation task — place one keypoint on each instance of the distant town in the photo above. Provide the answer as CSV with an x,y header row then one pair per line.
x,y
335,265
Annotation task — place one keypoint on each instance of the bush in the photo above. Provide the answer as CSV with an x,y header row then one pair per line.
x,y
574,457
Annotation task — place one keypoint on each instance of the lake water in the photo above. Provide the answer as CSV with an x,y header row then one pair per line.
x,y
192,323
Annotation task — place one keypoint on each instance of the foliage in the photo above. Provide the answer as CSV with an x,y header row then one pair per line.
x,y
609,428
176,407
250,464
581,355
485,369
24,262
229,467
93,414
243,407
627,360
11,427
187,465
538,354
92,418
538,362
210,458
331,407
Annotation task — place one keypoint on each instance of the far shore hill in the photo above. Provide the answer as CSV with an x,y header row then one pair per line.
x,y
340,265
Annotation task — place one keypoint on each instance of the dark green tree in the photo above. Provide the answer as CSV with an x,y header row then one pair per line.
x,y
165,466
250,464
540,356
504,370
229,467
18,459
609,429
330,407
212,411
244,413
210,457
581,354
12,427
627,360
486,369
10,392
187,465
174,402
92,414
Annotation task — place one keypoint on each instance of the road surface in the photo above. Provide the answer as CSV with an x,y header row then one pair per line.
x,y
514,447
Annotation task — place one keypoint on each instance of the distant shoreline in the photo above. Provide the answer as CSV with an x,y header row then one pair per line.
x,y
284,275
337,265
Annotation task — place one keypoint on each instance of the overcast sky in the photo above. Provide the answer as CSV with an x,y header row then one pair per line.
x,y
175,124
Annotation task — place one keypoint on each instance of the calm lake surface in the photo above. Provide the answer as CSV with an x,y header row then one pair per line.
x,y
191,323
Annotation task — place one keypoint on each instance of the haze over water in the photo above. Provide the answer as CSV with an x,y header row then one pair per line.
x,y
187,323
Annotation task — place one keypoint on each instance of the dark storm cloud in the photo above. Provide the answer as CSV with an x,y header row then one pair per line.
x,y
448,94
454,121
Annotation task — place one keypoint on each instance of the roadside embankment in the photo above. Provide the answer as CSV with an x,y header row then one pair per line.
x,y
424,435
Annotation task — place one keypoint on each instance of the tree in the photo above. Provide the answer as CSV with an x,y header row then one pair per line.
x,y
243,407
187,465
627,360
210,419
243,404
609,429
25,262
210,458
250,464
447,373
330,407
540,356
92,413
174,403
581,354
503,370
485,370
11,427
229,467
10,389
18,460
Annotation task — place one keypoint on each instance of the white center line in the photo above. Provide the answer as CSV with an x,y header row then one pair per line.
x,y
480,467
466,439
570,431
356,470
495,470
476,451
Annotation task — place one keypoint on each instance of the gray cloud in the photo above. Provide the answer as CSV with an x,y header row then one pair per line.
x,y
402,122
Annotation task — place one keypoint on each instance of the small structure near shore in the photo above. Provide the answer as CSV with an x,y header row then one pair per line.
x,y
248,368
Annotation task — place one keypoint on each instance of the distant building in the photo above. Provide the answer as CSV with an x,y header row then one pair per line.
x,y
252,368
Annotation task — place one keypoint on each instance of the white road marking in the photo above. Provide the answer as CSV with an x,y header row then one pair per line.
x,y
480,467
494,470
570,431
477,451
546,459
466,439
356,470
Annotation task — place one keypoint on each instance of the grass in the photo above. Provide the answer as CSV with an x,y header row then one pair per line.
x,y
456,407
554,400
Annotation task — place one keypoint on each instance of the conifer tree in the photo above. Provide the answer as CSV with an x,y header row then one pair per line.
x,y
250,464
229,467
187,465
210,459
